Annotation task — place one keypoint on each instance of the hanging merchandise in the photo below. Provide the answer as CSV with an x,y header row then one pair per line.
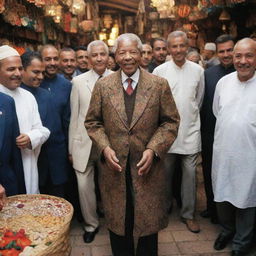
x,y
50,8
197,14
86,25
2,6
107,21
73,25
58,16
14,14
184,10
67,21
78,7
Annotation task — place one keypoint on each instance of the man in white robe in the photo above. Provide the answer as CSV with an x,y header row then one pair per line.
x,y
234,150
33,134
186,80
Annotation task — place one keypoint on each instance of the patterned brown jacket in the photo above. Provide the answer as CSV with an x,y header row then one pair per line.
x,y
154,125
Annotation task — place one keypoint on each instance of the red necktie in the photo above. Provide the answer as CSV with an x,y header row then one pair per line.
x,y
129,89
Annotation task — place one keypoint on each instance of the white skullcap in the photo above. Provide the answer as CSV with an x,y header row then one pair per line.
x,y
7,51
210,47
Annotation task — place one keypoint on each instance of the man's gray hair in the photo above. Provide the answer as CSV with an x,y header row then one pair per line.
x,y
96,43
127,37
177,33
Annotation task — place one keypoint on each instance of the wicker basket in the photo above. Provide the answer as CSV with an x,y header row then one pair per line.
x,y
58,243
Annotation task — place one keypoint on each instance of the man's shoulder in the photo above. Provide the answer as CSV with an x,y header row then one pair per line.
x,y
225,79
152,78
196,67
113,76
82,76
5,99
212,70
163,67
63,79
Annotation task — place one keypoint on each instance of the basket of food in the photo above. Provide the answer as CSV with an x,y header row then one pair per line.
x,y
35,225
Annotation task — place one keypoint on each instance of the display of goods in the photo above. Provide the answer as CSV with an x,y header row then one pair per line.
x,y
35,225
184,10
13,243
86,25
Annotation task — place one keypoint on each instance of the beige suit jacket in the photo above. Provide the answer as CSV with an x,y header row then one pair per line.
x,y
79,142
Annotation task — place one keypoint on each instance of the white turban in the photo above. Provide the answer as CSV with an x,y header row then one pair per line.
x,y
210,47
7,51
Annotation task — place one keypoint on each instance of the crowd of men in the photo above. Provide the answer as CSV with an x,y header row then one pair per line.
x,y
69,111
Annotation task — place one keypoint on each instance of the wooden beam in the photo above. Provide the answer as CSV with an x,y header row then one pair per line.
x,y
125,3
116,6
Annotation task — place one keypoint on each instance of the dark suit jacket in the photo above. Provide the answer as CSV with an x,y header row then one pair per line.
x,y
52,160
212,76
11,168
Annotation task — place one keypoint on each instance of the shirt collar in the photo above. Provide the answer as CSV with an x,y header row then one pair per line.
x,y
134,77
7,91
178,67
96,75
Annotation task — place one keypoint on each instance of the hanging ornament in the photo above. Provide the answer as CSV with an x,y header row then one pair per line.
x,y
78,7
2,6
184,10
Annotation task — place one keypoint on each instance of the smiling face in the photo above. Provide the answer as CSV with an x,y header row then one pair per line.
x,y
10,72
82,59
50,57
159,51
67,62
98,59
225,53
128,56
245,59
178,49
147,55
32,76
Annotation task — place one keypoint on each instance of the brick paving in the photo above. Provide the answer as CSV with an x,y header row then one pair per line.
x,y
174,240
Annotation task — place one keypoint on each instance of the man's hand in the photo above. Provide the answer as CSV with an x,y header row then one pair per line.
x,y
2,197
23,141
111,159
145,162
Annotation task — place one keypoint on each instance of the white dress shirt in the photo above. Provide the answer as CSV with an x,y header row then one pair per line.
x,y
135,79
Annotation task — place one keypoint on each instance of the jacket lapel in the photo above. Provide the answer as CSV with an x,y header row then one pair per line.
x,y
90,82
2,126
142,97
117,98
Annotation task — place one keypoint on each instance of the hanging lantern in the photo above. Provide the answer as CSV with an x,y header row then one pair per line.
x,y
107,21
57,17
50,10
184,10
102,36
86,25
78,7
2,6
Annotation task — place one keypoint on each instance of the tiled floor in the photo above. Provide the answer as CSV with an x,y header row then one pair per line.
x,y
174,240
